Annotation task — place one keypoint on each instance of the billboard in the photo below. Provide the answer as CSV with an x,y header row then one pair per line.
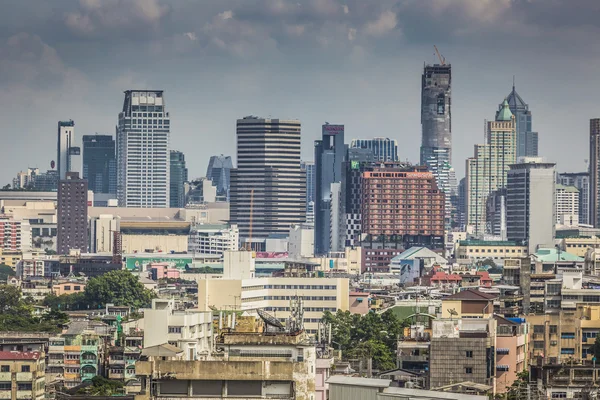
x,y
140,263
333,128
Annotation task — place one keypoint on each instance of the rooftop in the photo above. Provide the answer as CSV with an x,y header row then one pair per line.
x,y
471,295
355,381
553,255
570,189
488,243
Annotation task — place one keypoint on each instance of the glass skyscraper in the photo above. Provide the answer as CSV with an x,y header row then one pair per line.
x,y
179,175
99,163
219,172
384,149
527,140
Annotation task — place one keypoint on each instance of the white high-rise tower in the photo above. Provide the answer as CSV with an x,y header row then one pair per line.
x,y
143,150
66,134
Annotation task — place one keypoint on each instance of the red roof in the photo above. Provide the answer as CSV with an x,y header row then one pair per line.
x,y
19,355
471,295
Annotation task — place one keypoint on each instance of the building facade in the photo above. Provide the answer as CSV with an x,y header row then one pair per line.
x,y
213,239
22,375
581,180
219,172
179,175
530,204
527,141
487,170
567,205
309,169
594,170
15,235
66,139
143,157
383,149
72,212
436,114
99,163
268,187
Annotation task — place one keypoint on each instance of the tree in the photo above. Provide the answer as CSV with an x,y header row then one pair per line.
x,y
102,387
117,287
596,348
16,314
5,272
519,386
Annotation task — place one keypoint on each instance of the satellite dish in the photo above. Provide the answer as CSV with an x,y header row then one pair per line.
x,y
269,319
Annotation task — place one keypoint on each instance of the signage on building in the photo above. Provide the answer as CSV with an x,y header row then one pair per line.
x,y
140,263
333,128
354,165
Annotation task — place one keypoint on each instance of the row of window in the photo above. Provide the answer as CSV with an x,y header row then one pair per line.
x,y
6,368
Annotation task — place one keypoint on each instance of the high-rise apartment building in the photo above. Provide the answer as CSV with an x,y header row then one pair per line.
x,y
384,149
143,158
358,160
219,172
436,115
268,188
309,169
567,205
72,210
496,215
594,170
530,204
330,154
179,175
486,171
99,163
67,154
404,202
581,180
527,141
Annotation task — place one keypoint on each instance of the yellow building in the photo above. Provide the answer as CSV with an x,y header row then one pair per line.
x,y
474,250
68,288
22,375
580,245
156,236
468,304
10,257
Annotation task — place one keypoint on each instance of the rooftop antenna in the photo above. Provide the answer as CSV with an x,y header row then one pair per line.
x,y
513,83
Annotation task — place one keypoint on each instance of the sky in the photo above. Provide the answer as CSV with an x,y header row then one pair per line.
x,y
351,62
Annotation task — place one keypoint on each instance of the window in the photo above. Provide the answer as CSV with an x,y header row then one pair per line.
x,y
469,354
538,329
24,386
559,395
174,329
567,335
25,368
5,368
566,350
553,329
5,385
538,344
468,370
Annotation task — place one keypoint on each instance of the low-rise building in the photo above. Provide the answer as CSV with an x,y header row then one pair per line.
x,y
69,287
474,250
213,238
22,375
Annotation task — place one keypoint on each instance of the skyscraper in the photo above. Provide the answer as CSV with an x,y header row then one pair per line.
x,y
530,204
436,115
143,150
486,171
72,214
268,188
219,172
309,170
527,141
567,205
330,153
384,149
179,175
65,149
99,163
581,180
595,172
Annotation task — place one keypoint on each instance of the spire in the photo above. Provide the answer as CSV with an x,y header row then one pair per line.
x,y
513,84
504,114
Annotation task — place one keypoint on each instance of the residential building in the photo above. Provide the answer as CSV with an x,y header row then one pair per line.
x,y
527,141
403,202
10,257
143,158
219,173
567,205
581,180
383,149
594,171
268,181
213,238
511,352
189,330
22,375
69,287
579,246
487,170
99,163
330,154
122,359
411,263
475,250
530,204
72,214
348,261
15,235
25,180
309,170
178,177
357,161
89,265
470,303
65,148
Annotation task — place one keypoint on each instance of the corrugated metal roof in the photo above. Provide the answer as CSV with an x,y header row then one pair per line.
x,y
356,381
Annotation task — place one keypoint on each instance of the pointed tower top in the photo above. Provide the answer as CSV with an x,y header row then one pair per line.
x,y
504,114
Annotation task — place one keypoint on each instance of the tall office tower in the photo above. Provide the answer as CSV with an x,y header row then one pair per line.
x,y
219,172
567,205
72,213
594,170
461,219
330,154
268,188
143,150
179,176
530,204
581,180
357,161
309,169
436,115
527,141
384,149
99,163
66,132
486,171
496,215
400,201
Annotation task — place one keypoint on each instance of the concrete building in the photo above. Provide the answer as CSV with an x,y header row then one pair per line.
x,y
213,239
72,212
25,179
309,169
581,180
99,163
495,217
348,261
15,235
579,246
219,173
383,149
65,149
530,204
102,232
567,205
594,171
22,375
268,185
527,141
436,113
330,154
239,264
475,250
301,242
403,202
189,330
178,177
487,170
160,236
143,158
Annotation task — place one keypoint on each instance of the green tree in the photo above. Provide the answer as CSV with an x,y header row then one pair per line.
x,y
519,386
596,348
102,387
16,314
117,287
5,272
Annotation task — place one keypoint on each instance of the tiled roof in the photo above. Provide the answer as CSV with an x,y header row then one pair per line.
x,y
471,295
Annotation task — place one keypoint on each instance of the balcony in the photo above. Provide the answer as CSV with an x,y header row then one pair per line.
x,y
116,362
56,349
89,361
56,362
404,358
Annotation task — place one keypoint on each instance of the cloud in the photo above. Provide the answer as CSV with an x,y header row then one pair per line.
x,y
191,35
295,30
384,24
351,34
345,8
226,15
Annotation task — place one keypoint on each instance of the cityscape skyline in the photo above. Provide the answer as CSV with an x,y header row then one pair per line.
x,y
478,83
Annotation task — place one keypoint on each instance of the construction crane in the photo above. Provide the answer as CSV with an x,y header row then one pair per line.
x,y
249,246
442,59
